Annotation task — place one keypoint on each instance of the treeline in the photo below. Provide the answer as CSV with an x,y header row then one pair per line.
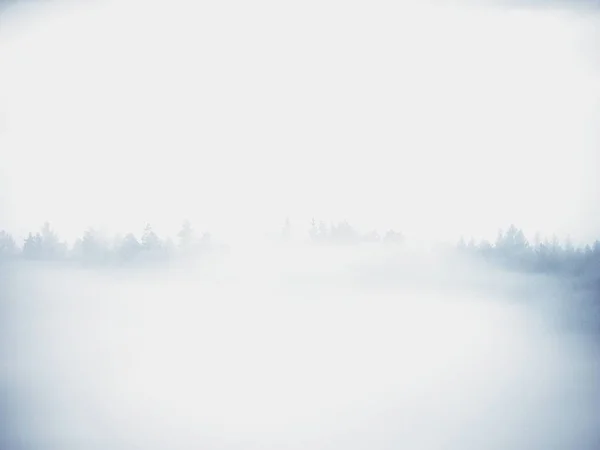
x,y
344,233
95,247
510,250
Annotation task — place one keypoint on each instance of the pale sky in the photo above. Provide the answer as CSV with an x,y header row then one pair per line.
x,y
433,121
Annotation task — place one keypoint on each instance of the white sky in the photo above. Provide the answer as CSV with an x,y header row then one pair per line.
x,y
235,115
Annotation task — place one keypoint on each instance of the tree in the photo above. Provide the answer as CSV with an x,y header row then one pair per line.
x,y
472,245
314,231
467,248
51,247
150,241
32,247
91,248
499,240
514,240
49,241
8,247
318,233
129,248
537,240
343,232
186,235
323,233
394,237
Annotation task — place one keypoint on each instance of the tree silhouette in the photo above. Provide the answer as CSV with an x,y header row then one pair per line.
x,y
186,235
393,237
150,241
129,248
92,248
8,247
314,230
511,250
323,233
33,247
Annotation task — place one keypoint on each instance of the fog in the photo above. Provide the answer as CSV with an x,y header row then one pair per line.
x,y
433,119
430,118
294,348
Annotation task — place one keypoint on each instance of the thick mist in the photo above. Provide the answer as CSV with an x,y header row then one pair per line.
x,y
434,119
295,348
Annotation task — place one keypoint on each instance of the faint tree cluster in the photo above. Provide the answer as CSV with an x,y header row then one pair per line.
x,y
510,250
95,247
344,233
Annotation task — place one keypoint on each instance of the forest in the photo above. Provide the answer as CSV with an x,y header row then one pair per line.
x,y
511,250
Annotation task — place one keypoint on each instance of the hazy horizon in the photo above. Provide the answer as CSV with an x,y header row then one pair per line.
x,y
434,119
437,121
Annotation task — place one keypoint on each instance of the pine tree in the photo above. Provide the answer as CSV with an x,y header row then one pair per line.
x,y
8,247
186,235
150,240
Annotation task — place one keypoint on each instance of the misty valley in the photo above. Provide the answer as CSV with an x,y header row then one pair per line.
x,y
336,342
399,318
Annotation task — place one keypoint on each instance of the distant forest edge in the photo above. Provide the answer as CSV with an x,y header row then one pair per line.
x,y
511,249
